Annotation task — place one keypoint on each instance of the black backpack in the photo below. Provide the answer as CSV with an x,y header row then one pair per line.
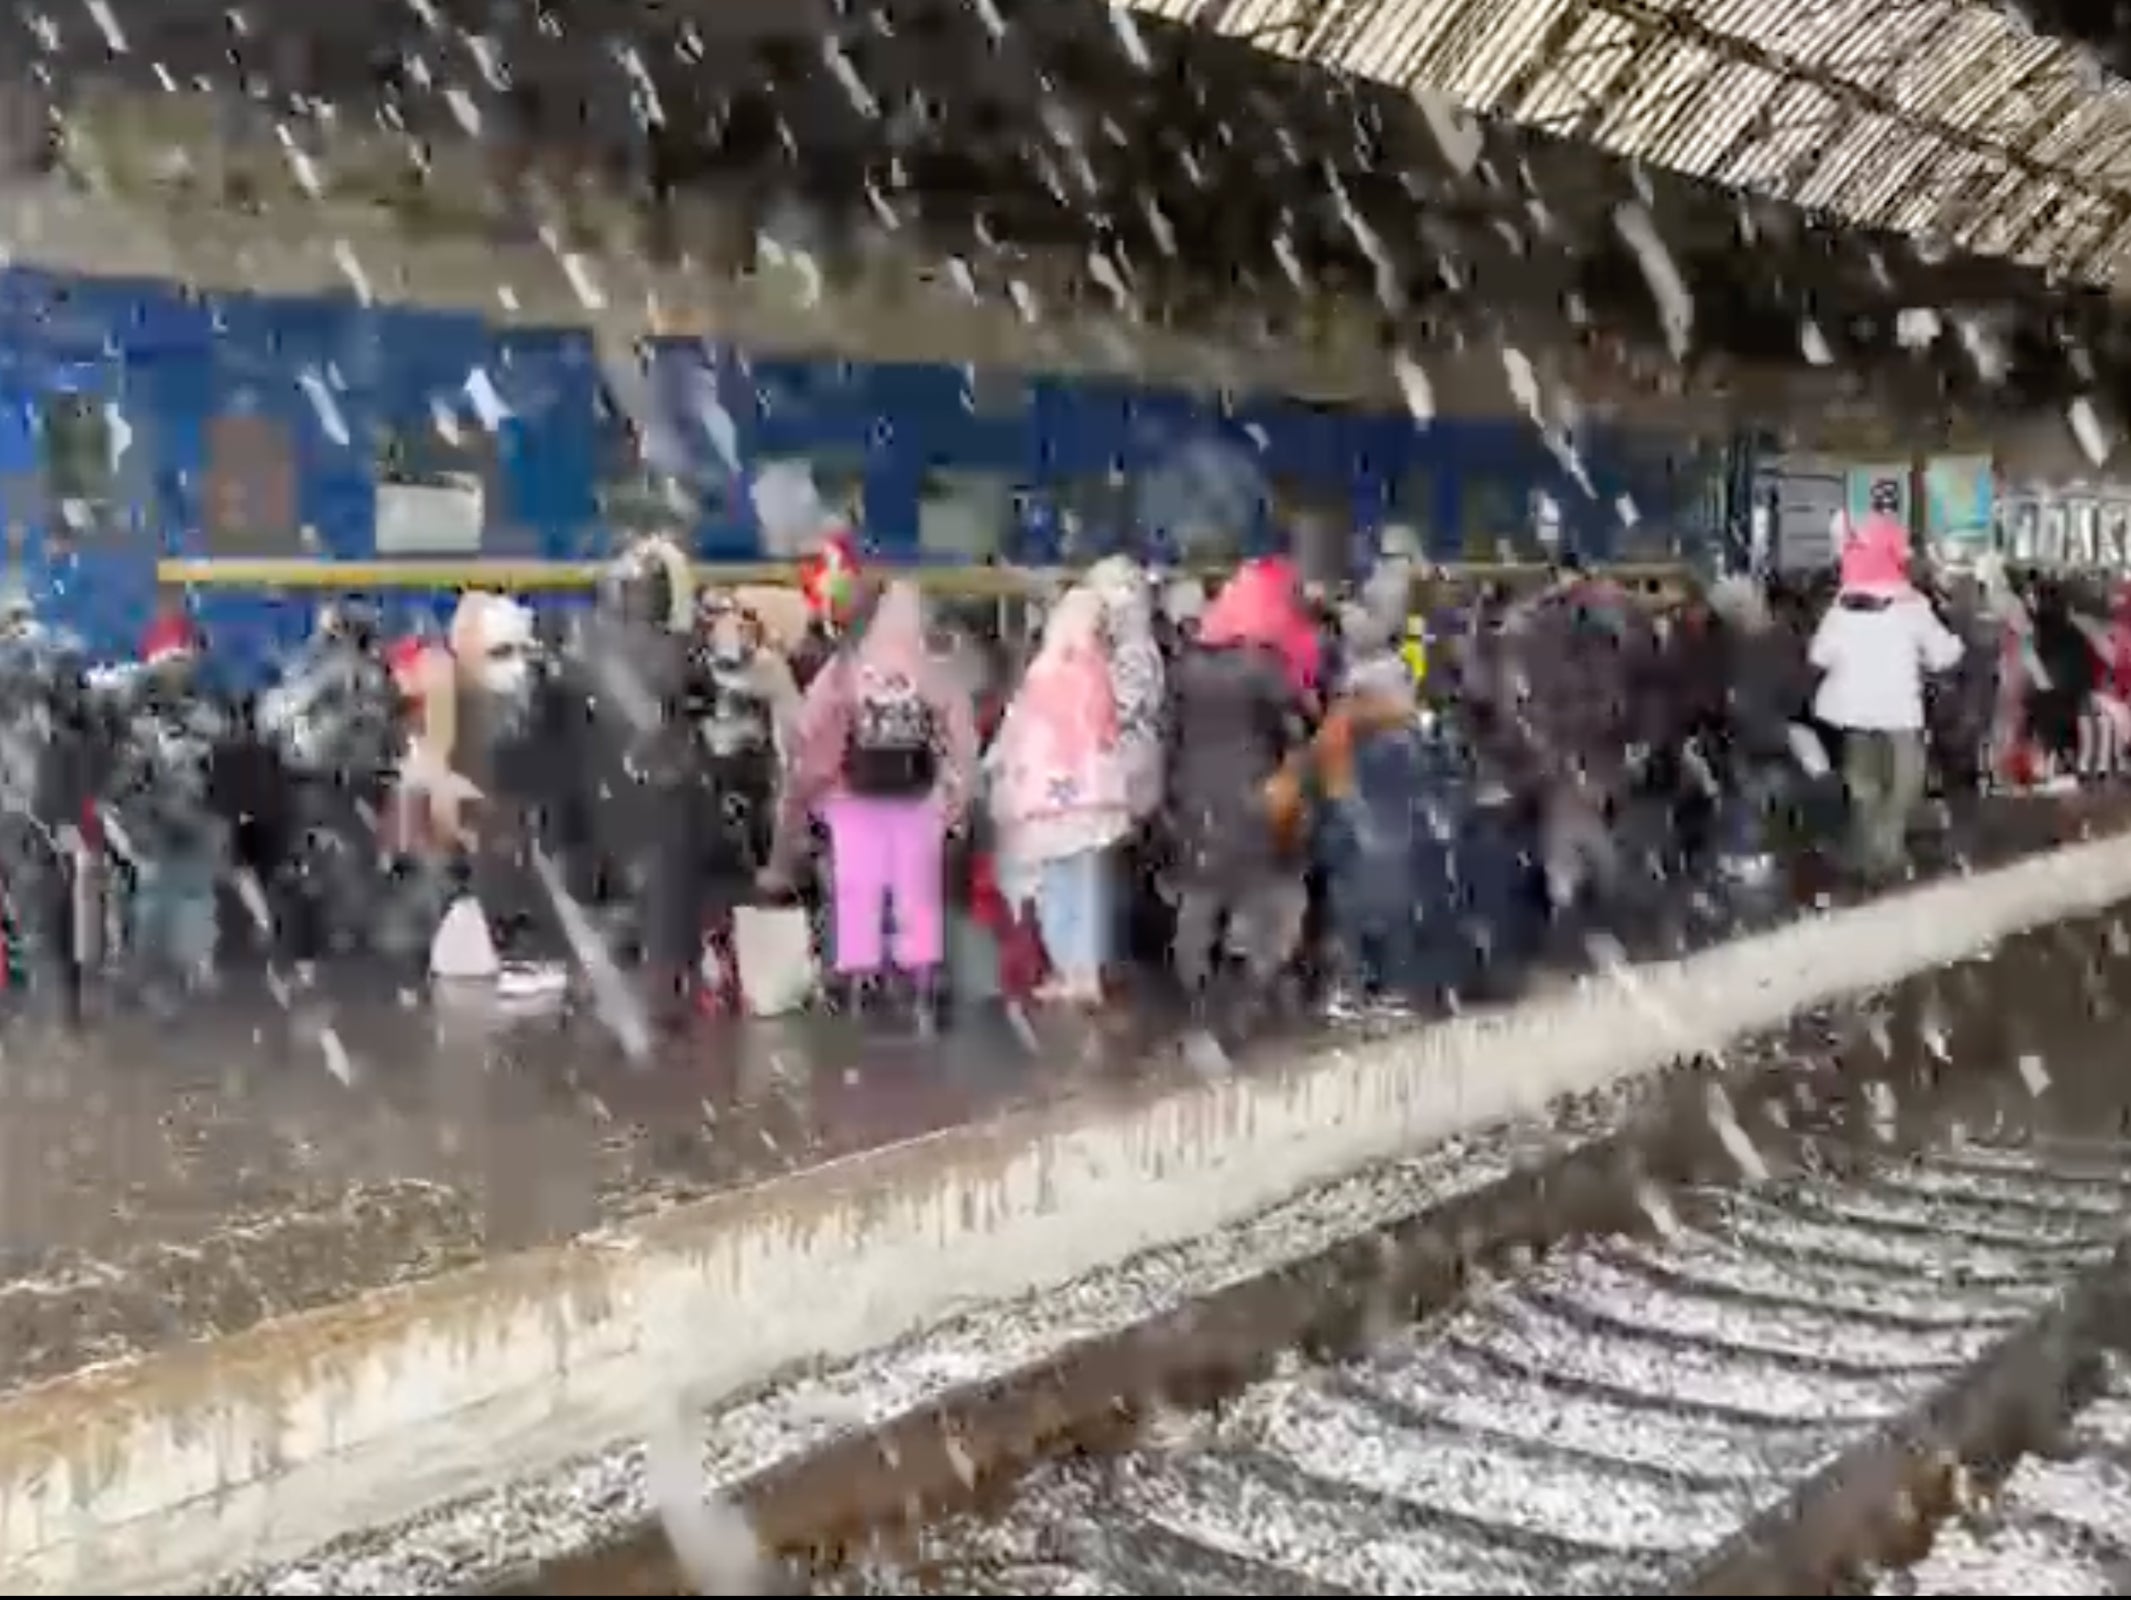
x,y
732,715
892,753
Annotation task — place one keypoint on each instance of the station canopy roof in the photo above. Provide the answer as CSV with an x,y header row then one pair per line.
x,y
1950,118
1226,154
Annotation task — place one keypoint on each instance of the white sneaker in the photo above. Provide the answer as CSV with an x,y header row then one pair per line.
x,y
1203,1052
532,980
1346,1005
1753,872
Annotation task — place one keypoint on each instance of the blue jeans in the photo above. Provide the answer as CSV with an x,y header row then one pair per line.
x,y
1440,916
1498,890
175,913
1374,900
1075,908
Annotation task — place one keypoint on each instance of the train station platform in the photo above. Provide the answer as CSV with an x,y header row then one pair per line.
x,y
271,1279
171,1184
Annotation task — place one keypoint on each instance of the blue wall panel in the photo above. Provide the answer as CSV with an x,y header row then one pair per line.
x,y
548,462
340,376
169,396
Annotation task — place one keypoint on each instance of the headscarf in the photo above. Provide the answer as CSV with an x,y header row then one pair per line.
x,y
18,610
1374,636
829,579
429,777
1068,682
407,660
652,582
1262,605
1375,620
169,637
1184,604
1384,676
1136,676
893,644
490,640
1875,558
730,637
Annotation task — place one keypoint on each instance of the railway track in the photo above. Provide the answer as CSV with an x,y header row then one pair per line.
x,y
2055,1520
1741,1402
1735,1334
2058,1523
1777,1386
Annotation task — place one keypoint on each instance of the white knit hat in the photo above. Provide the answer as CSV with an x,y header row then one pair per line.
x,y
1184,599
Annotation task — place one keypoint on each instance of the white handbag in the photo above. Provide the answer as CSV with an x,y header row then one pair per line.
x,y
463,950
773,947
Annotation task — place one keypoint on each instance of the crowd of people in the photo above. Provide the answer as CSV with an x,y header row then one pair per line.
x,y
1264,797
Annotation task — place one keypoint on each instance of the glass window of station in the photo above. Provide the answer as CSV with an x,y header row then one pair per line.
x,y
964,515
77,450
249,500
435,486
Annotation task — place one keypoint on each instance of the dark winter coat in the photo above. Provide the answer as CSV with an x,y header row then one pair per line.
x,y
1233,721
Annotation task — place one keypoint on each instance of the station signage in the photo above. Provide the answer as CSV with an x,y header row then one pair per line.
x,y
2085,529
1876,481
1960,501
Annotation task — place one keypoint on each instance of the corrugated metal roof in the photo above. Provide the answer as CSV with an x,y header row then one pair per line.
x,y
1940,116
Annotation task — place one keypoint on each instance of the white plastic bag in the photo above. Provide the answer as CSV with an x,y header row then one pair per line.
x,y
774,949
463,950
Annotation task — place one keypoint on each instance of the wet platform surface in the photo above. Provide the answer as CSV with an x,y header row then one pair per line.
x,y
166,1181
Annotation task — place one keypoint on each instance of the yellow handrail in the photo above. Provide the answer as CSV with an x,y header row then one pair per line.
x,y
972,582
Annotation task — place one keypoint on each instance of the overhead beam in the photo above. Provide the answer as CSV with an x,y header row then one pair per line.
x,y
1647,53
2051,114
2038,226
2110,254
1758,129
1333,22
1842,125
1546,55
2112,148
1848,91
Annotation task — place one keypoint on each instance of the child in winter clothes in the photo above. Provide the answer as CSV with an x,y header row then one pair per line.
x,y
1059,795
176,841
740,698
886,751
1875,645
2064,682
1368,761
994,951
1395,806
2105,733
1234,813
833,581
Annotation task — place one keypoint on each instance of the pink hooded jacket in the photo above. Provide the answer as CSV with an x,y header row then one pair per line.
x,y
1262,605
1058,775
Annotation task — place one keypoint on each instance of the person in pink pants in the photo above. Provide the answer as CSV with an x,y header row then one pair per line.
x,y
886,755
886,857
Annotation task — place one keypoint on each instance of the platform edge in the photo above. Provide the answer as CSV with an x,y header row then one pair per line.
x,y
159,1473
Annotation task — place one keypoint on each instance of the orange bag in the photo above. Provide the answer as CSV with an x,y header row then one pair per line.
x,y
1285,807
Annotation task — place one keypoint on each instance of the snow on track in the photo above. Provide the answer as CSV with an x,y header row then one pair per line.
x,y
1599,1424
